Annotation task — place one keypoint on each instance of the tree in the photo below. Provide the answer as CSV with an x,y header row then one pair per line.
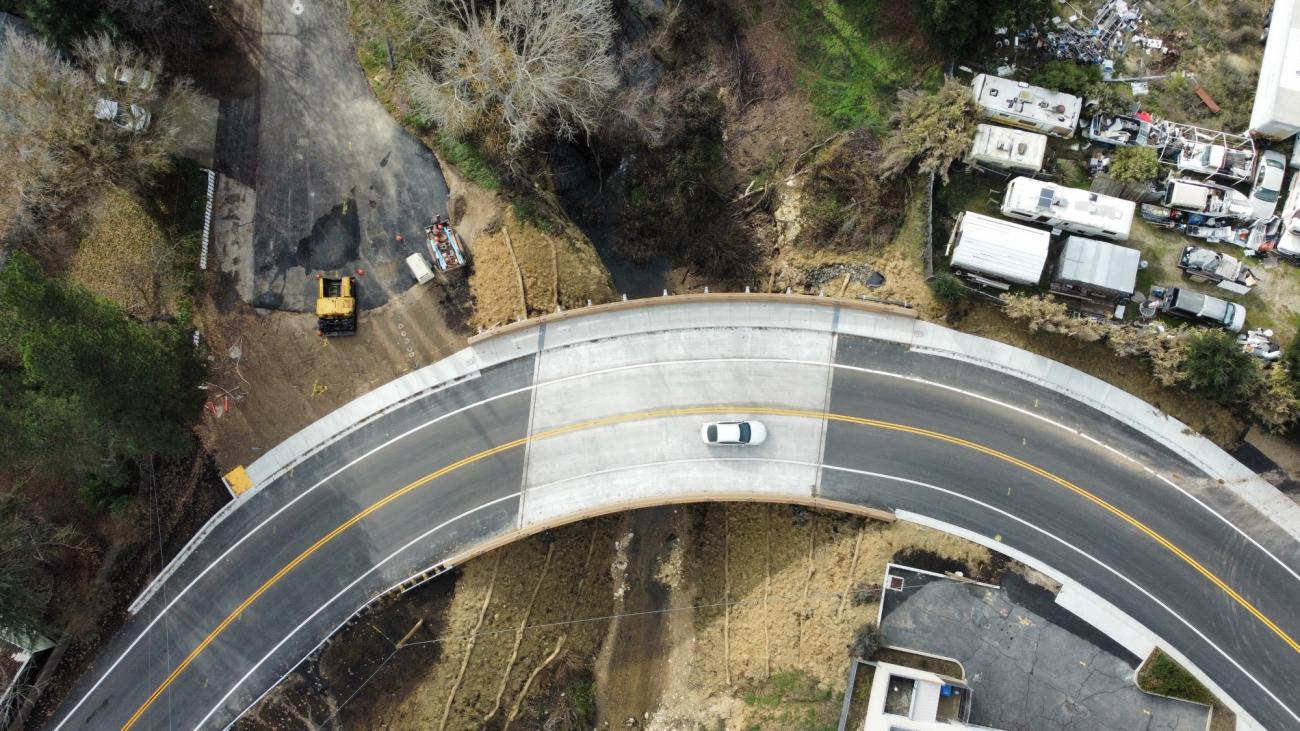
x,y
1067,76
1273,400
1217,366
930,130
1135,164
958,25
519,69
947,288
95,385
25,585
54,149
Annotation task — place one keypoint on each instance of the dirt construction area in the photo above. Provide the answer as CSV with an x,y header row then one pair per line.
x,y
700,616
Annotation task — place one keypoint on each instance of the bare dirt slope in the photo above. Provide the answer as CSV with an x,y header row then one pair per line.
x,y
271,375
729,616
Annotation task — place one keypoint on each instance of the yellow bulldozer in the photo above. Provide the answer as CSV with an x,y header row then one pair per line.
x,y
336,307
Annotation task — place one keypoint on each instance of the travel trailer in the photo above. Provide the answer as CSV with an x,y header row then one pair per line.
x,y
1017,104
1003,148
1069,209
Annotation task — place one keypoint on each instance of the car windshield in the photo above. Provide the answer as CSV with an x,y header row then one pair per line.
x,y
713,432
744,432
1228,312
1266,195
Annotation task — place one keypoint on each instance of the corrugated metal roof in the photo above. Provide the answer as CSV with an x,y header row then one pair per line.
x,y
1001,249
1099,264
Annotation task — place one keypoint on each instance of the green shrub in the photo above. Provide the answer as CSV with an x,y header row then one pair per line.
x,y
1135,164
947,288
1217,366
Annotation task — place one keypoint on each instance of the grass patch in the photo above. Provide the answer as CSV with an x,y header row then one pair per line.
x,y
466,157
856,56
1162,676
792,700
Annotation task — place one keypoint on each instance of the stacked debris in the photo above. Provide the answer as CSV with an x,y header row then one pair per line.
x,y
1085,40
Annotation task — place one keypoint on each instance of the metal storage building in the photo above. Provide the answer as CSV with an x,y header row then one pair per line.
x,y
998,253
1092,269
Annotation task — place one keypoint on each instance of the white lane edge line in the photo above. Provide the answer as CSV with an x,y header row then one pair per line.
x,y
615,369
1086,555
330,601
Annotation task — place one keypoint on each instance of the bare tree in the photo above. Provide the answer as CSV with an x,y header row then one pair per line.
x,y
56,147
523,67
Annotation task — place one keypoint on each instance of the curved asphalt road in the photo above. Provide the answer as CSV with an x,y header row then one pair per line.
x,y
608,415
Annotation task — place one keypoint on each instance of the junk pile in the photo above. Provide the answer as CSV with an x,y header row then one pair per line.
x,y
1095,40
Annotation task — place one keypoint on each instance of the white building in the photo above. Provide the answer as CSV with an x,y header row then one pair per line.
x,y
998,253
908,699
1014,150
1017,104
1070,209
1097,270
1276,114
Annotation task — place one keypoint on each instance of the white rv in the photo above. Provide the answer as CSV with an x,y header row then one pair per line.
x,y
1070,209
1017,104
1013,150
1276,113
998,253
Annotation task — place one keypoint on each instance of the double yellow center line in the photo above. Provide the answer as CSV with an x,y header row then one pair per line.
x,y
700,410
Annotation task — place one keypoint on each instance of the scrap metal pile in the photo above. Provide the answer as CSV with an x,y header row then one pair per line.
x,y
1086,40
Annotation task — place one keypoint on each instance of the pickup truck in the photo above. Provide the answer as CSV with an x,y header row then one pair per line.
x,y
1202,308
1207,265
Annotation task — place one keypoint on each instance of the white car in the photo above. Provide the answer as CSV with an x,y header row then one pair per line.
x,y
1268,183
739,433
130,117
127,76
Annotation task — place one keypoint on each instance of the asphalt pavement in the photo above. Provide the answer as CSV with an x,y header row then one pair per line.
x,y
604,419
337,180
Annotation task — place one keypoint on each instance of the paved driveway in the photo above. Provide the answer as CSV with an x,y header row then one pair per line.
x,y
336,180
1031,664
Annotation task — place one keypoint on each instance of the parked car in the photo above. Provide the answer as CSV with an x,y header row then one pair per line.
x,y
130,117
739,433
128,76
1268,183
1202,308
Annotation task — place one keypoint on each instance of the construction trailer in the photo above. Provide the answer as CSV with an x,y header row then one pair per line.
x,y
1276,113
997,253
1017,104
1069,209
1003,148
1096,270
